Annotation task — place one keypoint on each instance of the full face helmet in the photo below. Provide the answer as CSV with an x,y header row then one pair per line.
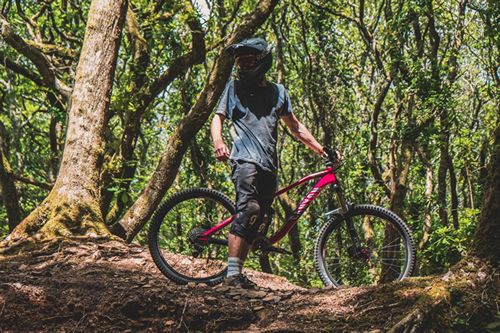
x,y
253,58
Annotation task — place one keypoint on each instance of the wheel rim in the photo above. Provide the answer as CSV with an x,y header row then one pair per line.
x,y
195,262
383,258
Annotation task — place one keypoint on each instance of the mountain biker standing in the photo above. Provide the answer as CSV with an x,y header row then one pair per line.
x,y
255,106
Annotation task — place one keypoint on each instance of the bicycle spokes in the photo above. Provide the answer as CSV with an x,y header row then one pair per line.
x,y
384,254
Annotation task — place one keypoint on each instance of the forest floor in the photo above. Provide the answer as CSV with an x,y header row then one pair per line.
x,y
108,286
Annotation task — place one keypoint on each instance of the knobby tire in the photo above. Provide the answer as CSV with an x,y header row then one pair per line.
x,y
387,245
185,213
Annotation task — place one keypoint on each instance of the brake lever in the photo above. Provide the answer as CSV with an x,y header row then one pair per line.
x,y
338,166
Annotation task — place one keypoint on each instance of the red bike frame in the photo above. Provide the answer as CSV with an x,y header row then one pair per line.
x,y
327,177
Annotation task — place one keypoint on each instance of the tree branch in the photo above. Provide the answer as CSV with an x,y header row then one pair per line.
x,y
15,67
374,138
35,56
195,56
25,180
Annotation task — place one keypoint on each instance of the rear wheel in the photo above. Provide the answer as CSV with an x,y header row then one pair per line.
x,y
173,235
388,249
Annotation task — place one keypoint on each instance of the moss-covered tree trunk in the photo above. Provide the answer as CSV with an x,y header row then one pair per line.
x,y
8,190
138,215
487,236
72,207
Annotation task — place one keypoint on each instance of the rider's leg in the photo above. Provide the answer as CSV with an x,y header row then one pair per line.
x,y
238,247
238,244
238,250
244,176
253,186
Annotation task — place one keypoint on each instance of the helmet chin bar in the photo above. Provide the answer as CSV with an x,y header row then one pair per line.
x,y
246,80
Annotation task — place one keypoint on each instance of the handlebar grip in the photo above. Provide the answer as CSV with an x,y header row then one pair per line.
x,y
332,155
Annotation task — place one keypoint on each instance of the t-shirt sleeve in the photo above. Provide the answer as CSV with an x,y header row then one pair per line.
x,y
225,102
286,108
287,105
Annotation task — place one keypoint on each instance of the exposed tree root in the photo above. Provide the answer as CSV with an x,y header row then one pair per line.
x,y
412,323
30,244
460,290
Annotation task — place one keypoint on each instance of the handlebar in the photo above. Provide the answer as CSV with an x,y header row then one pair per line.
x,y
332,157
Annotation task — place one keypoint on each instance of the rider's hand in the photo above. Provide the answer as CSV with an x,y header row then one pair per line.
x,y
338,158
221,151
331,155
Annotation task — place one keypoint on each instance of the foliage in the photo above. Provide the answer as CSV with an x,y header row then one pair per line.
x,y
448,245
334,66
495,326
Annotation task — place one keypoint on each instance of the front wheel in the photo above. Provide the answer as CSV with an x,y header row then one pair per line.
x,y
387,249
173,235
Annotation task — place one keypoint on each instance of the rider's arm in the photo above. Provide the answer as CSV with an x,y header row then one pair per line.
x,y
302,133
220,149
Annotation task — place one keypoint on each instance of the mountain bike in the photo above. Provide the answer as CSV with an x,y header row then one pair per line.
x,y
359,244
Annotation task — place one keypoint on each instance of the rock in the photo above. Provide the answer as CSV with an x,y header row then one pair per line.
x,y
272,299
211,300
138,261
256,294
314,290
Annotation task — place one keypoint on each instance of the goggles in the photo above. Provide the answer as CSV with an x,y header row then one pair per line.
x,y
246,61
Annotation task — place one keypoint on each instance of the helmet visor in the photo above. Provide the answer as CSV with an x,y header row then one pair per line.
x,y
246,61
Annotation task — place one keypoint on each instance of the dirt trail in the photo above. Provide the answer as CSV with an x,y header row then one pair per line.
x,y
108,286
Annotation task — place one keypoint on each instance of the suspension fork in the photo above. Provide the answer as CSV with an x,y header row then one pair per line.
x,y
345,211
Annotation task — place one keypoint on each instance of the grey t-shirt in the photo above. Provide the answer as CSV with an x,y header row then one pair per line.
x,y
255,112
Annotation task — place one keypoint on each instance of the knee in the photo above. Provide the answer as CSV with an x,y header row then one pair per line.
x,y
245,219
252,211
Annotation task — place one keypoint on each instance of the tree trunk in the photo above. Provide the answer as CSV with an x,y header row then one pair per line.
x,y
8,191
72,207
487,234
429,188
454,195
138,215
442,171
401,176
488,229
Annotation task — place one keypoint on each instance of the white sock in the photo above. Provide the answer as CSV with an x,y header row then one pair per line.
x,y
234,266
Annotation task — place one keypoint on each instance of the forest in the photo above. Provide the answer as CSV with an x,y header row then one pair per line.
x,y
105,109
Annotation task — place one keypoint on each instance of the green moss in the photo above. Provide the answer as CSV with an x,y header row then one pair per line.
x,y
57,216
